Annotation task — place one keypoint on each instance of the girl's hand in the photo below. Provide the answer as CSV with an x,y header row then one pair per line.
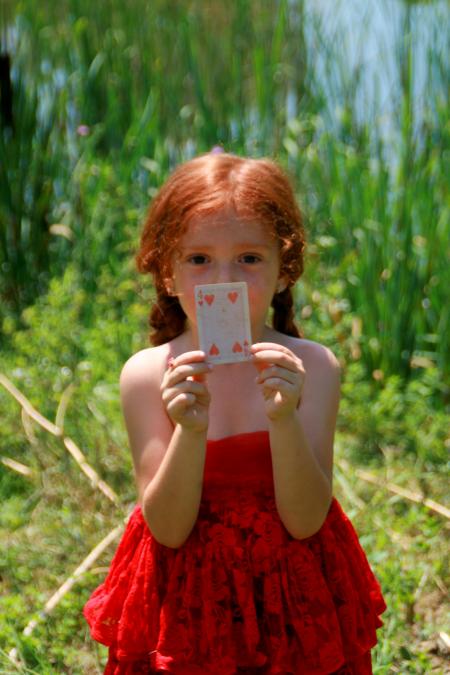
x,y
281,376
184,392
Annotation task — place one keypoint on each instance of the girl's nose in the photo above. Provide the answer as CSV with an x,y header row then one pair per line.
x,y
225,274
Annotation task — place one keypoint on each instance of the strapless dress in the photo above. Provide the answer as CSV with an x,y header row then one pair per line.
x,y
241,595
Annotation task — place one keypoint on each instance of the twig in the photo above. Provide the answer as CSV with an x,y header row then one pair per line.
x,y
87,469
443,642
17,466
67,585
440,584
63,403
32,412
403,492
74,450
28,427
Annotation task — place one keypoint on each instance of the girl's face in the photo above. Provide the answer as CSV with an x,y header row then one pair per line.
x,y
221,248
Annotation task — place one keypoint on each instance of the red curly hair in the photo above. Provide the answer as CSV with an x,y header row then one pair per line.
x,y
256,189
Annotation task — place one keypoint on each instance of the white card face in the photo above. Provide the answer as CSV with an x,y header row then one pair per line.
x,y
223,322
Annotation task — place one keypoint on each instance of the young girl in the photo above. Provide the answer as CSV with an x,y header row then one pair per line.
x,y
237,558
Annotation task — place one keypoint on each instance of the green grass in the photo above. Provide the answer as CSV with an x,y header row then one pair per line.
x,y
404,542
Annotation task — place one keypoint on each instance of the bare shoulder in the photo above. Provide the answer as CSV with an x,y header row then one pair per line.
x,y
314,355
145,366
148,365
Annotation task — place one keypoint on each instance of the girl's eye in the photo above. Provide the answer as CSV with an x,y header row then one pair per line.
x,y
197,259
250,258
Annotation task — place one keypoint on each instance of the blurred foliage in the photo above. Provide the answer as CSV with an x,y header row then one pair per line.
x,y
97,126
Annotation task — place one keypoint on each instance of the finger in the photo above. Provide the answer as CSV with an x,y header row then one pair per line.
x,y
279,391
277,384
201,394
274,353
282,373
270,356
181,372
194,372
188,357
187,400
180,403
260,346
191,386
196,356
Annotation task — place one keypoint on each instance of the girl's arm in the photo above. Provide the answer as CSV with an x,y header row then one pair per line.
x,y
171,500
168,461
301,434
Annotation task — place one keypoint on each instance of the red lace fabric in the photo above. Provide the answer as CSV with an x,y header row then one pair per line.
x,y
241,595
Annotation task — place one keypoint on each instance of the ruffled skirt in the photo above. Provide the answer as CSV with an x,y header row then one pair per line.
x,y
241,595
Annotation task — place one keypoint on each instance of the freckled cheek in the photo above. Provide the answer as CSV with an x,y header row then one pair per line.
x,y
189,301
185,292
259,298
259,289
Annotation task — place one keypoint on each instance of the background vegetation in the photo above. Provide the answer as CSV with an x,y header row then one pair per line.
x,y
98,104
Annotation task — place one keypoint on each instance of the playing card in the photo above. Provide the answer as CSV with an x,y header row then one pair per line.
x,y
223,322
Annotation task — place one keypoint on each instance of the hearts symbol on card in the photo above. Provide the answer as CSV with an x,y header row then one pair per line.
x,y
209,299
200,302
214,351
233,296
237,347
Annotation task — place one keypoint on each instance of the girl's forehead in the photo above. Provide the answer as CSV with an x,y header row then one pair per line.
x,y
227,224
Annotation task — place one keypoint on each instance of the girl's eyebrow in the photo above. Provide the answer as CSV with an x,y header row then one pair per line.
x,y
208,247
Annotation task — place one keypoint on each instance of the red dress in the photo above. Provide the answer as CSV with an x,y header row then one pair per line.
x,y
241,595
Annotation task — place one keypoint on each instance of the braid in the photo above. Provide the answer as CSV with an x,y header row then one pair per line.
x,y
167,318
283,314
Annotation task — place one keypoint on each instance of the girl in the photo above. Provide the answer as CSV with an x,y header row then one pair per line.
x,y
237,558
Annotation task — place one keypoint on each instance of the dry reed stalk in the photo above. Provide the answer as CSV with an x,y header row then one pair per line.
x,y
396,489
17,466
87,469
29,428
67,585
57,431
26,405
63,405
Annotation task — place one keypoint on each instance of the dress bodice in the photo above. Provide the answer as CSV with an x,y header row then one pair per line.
x,y
237,462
